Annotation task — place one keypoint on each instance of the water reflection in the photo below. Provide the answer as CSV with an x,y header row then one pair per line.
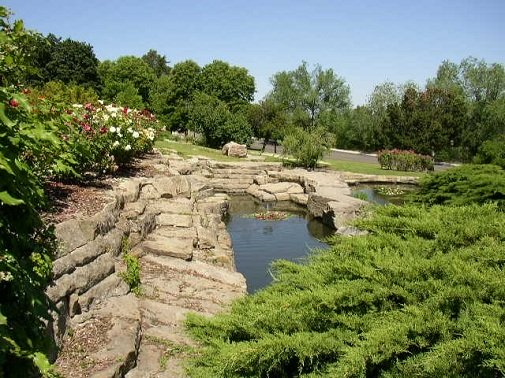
x,y
258,242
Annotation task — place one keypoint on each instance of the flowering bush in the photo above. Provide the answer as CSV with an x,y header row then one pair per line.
x,y
402,160
101,138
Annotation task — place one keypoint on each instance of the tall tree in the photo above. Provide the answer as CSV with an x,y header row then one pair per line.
x,y
230,84
172,94
306,96
157,62
125,73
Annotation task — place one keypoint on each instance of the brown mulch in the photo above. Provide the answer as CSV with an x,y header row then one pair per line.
x,y
88,195
75,358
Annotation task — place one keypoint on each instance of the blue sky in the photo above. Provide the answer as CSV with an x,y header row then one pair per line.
x,y
365,42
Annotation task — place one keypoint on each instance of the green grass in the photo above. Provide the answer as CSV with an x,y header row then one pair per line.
x,y
188,150
366,168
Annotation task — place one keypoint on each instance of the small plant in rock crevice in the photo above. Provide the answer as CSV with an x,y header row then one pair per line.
x,y
132,274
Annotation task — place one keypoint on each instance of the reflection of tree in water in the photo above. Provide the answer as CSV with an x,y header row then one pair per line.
x,y
268,229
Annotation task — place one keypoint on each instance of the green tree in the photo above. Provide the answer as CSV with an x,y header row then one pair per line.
x,y
268,121
172,94
212,118
230,84
74,62
308,96
127,69
157,62
427,122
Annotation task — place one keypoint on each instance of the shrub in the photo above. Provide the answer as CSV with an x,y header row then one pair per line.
x,y
421,295
404,161
464,185
132,274
28,147
306,147
492,152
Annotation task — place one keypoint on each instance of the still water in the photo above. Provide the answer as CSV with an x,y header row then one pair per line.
x,y
258,242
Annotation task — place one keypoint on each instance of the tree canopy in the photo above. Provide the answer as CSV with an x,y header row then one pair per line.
x,y
308,97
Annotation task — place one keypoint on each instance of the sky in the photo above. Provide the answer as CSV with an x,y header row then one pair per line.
x,y
365,42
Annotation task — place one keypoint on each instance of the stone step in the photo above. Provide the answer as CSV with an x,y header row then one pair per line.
x,y
163,246
198,269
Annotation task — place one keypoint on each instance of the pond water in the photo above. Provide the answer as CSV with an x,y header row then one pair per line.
x,y
396,194
258,242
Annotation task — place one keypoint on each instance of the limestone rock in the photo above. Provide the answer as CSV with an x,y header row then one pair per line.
x,y
169,187
174,220
179,248
235,149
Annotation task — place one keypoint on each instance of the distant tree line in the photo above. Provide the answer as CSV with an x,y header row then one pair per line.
x,y
451,117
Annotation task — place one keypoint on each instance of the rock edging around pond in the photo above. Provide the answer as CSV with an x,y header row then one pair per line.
x,y
173,222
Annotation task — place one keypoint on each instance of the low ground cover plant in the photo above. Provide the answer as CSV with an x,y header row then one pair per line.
x,y
421,295
464,185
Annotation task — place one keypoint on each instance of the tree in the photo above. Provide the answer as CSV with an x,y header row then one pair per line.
x,y
308,96
267,120
157,62
127,69
212,118
230,84
172,94
427,122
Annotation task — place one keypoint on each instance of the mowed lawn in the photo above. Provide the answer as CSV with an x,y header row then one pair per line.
x,y
189,150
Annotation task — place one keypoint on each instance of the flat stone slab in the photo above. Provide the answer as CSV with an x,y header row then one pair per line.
x,y
174,220
161,246
282,187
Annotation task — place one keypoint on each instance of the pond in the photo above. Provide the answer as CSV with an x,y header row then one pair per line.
x,y
382,194
258,242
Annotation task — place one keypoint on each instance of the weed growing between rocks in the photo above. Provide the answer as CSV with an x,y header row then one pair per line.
x,y
132,274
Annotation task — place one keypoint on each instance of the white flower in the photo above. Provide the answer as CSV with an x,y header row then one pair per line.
x,y
130,130
119,134
115,144
128,147
135,134
118,130
112,129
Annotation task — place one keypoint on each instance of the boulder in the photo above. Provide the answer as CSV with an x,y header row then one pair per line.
x,y
235,149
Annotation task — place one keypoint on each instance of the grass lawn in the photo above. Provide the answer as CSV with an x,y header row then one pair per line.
x,y
366,168
188,150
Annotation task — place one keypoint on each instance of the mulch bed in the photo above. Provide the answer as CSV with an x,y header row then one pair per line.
x,y
89,195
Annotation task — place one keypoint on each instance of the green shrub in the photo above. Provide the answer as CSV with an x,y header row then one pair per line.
x,y
28,147
404,161
422,295
492,152
306,147
464,185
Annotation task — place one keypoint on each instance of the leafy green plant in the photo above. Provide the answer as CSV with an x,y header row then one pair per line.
x,y
463,185
306,147
492,152
132,274
28,146
420,295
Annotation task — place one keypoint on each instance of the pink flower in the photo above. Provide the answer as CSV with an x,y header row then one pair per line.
x,y
103,130
13,103
86,127
125,110
89,107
